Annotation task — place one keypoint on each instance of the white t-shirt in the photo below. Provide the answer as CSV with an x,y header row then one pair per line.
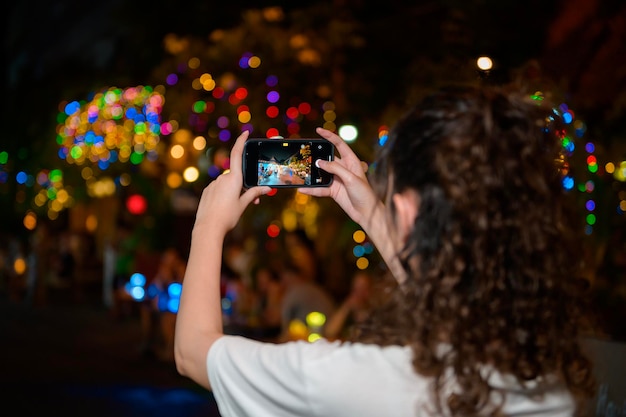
x,y
331,379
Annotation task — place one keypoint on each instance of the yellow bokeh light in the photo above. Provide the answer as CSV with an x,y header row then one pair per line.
x,y
484,63
609,167
174,180
362,263
244,117
290,219
40,199
91,223
199,143
301,198
330,115
254,62
273,14
330,126
358,236
177,151
182,136
191,174
298,330
55,205
620,173
208,85
298,41
309,56
53,215
315,319
86,173
62,196
19,266
30,220
196,84
193,63
102,188
313,337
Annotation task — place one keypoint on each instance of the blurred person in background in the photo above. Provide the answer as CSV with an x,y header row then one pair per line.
x,y
268,296
354,309
301,297
484,311
300,251
157,317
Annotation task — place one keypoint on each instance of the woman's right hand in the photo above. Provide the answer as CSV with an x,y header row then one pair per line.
x,y
350,187
354,194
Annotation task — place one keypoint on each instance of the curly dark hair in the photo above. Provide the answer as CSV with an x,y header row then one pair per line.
x,y
494,257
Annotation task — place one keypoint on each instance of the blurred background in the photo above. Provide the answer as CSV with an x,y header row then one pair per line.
x,y
117,114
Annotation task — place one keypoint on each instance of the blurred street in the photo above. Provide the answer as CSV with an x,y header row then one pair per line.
x,y
72,359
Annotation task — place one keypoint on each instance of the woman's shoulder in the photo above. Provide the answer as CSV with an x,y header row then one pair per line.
x,y
335,354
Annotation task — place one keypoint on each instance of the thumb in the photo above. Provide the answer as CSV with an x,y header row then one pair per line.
x,y
253,194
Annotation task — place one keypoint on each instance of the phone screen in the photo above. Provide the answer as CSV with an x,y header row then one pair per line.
x,y
286,163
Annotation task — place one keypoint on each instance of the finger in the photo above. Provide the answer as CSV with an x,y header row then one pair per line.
x,y
315,191
338,169
252,195
236,153
342,147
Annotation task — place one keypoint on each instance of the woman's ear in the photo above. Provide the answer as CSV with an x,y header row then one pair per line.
x,y
407,207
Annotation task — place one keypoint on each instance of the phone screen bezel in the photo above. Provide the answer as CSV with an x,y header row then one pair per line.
x,y
320,149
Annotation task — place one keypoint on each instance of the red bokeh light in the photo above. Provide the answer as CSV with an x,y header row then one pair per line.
x,y
271,132
136,204
273,230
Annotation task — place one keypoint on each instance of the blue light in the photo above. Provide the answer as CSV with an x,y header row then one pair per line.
x,y
21,177
358,251
174,289
137,279
568,182
90,138
137,293
162,302
153,291
172,305
72,108
567,118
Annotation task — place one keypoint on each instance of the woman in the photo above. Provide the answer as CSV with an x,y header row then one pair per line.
x,y
484,316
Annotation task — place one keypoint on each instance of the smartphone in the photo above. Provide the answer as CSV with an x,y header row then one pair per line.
x,y
286,162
